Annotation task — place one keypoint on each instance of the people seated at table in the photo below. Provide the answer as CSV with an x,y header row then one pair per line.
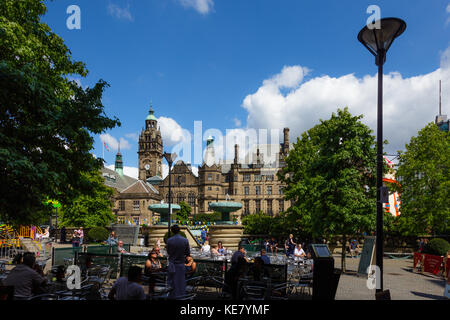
x,y
354,248
273,245
206,248
26,278
191,266
58,281
120,248
299,253
128,288
221,249
152,265
239,254
112,239
264,257
258,271
85,267
214,251
158,252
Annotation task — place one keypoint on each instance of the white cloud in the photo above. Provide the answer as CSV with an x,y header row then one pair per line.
x,y
171,132
128,171
113,144
120,13
237,122
202,6
409,103
133,136
448,11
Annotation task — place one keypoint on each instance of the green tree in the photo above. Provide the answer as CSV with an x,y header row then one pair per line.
x,y
330,176
92,210
258,223
46,120
424,174
184,212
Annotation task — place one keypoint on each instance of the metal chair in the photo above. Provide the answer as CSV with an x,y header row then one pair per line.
x,y
45,296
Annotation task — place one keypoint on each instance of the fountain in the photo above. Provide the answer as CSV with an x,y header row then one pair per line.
x,y
226,231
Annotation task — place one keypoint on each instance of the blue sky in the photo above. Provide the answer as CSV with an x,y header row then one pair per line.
x,y
240,64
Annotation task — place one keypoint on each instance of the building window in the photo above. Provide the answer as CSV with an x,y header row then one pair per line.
x,y
246,207
258,206
167,198
269,177
280,190
281,206
246,190
180,197
209,188
269,190
247,177
257,177
191,199
258,190
136,205
235,191
121,205
209,176
269,207
236,177
227,178
218,177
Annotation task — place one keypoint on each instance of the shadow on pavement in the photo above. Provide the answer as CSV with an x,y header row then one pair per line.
x,y
430,296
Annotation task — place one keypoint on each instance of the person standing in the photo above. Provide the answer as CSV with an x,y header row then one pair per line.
x,y
81,234
177,249
290,245
203,235
62,235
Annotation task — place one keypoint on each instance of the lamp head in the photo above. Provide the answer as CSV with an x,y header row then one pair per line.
x,y
379,40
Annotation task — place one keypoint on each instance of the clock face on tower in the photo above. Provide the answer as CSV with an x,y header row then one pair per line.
x,y
147,167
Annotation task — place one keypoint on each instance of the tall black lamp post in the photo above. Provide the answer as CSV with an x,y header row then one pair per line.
x,y
378,41
170,158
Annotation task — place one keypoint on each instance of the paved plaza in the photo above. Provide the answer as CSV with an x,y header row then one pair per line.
x,y
403,283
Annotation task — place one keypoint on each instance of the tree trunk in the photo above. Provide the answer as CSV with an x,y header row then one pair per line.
x,y
343,254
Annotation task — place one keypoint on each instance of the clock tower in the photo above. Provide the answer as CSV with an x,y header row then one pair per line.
x,y
150,148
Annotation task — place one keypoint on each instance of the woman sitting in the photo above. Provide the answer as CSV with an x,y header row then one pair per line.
x,y
214,251
191,266
152,265
220,248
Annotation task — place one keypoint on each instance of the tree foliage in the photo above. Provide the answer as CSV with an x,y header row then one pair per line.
x,y
91,210
331,177
424,174
46,120
184,212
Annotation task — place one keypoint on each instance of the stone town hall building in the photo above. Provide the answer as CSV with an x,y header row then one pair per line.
x,y
253,184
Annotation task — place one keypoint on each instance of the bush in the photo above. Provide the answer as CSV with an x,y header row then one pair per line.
x,y
207,217
98,234
437,247
171,234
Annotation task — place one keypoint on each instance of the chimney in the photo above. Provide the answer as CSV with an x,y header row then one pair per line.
x,y
286,140
236,153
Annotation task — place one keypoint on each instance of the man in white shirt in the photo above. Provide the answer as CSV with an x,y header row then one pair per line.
x,y
206,247
128,288
299,253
